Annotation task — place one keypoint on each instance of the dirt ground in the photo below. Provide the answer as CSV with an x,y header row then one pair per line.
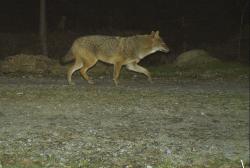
x,y
170,123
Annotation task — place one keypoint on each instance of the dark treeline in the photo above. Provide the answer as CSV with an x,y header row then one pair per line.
x,y
184,24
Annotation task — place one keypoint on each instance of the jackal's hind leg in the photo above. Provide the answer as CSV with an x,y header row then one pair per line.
x,y
137,68
86,65
77,65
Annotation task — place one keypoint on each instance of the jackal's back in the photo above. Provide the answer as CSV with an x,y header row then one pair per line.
x,y
99,44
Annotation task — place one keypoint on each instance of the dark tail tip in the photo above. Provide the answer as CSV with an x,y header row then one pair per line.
x,y
68,58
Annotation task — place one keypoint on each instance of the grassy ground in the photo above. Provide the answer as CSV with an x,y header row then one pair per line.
x,y
195,117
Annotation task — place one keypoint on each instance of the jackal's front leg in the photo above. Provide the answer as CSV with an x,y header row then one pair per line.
x,y
117,69
137,68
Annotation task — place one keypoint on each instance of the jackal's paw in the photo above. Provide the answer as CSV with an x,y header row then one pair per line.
x,y
72,83
91,82
115,82
150,80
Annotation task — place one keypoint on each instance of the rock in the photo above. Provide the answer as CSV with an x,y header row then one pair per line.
x,y
195,58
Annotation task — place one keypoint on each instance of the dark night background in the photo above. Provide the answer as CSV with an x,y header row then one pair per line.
x,y
194,112
184,25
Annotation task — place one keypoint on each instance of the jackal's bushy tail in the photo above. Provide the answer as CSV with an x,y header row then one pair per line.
x,y
67,58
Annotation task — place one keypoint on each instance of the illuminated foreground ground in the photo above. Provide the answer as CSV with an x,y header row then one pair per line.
x,y
46,123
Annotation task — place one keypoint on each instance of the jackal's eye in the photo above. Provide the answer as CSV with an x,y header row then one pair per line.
x,y
162,42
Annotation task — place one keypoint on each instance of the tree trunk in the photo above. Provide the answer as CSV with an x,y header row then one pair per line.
x,y
243,11
61,24
183,28
43,26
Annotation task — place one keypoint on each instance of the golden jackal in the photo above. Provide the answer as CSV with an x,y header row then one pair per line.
x,y
86,51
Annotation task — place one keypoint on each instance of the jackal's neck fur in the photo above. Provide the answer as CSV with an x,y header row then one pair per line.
x,y
137,46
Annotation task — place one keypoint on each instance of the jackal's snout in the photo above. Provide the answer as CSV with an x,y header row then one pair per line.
x,y
164,48
159,43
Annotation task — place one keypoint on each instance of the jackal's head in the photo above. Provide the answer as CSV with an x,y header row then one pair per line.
x,y
158,44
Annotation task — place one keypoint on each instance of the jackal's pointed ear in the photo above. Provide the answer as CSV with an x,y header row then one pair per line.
x,y
157,33
152,33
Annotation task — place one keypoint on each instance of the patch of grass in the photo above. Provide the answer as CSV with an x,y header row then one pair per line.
x,y
220,162
22,164
211,71
168,163
30,164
